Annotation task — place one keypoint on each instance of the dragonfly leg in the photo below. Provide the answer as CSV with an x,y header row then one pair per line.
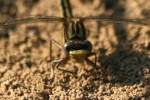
x,y
48,58
51,42
91,62
59,63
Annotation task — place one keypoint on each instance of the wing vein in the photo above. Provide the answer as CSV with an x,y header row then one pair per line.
x,y
33,19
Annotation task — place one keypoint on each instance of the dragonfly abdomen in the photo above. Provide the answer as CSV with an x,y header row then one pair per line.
x,y
66,8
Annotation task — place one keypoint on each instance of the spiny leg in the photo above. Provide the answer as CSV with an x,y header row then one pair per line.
x,y
56,44
59,63
96,71
51,41
91,62
52,62
87,69
88,61
48,58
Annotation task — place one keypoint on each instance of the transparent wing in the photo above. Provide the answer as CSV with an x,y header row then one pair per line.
x,y
143,21
33,19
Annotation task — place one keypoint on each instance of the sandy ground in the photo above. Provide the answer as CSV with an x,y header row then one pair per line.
x,y
123,71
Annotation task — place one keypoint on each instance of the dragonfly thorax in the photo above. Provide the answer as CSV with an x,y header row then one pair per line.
x,y
78,48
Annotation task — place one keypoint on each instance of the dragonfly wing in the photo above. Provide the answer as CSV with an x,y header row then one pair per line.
x,y
31,19
143,21
34,19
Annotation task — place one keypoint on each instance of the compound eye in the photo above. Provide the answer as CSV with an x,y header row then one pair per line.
x,y
68,46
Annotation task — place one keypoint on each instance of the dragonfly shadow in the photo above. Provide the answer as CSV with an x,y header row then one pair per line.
x,y
117,10
8,10
125,65
30,3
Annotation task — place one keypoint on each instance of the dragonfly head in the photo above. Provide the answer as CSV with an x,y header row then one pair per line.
x,y
78,49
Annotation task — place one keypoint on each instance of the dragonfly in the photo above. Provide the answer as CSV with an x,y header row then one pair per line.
x,y
76,44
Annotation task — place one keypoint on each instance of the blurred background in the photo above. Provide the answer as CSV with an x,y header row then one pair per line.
x,y
123,52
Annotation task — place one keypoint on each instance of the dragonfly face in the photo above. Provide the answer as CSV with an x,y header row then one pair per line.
x,y
76,44
78,48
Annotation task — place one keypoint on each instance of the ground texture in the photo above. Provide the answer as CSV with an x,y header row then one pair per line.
x,y
123,51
